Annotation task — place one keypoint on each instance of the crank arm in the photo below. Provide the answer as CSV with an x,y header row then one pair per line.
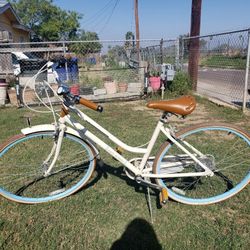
x,y
163,193
143,182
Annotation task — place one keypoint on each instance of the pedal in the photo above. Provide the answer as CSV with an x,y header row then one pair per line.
x,y
119,150
146,183
163,196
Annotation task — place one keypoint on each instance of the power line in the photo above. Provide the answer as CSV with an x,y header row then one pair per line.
x,y
98,21
103,18
98,13
111,14
98,17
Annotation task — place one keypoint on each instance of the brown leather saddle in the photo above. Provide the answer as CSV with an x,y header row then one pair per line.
x,y
183,105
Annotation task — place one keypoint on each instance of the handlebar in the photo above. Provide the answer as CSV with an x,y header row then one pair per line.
x,y
64,90
90,104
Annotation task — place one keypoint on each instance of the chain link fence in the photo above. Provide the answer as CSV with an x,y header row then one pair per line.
x,y
222,65
166,51
99,69
116,69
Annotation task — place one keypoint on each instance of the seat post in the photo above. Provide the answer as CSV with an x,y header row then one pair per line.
x,y
164,117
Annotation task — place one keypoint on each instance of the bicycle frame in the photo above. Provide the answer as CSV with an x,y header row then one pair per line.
x,y
63,154
141,171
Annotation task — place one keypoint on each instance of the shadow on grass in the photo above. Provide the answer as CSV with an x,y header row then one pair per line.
x,y
103,170
238,103
139,234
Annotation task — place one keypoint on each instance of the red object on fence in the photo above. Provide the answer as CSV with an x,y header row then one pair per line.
x,y
75,89
155,82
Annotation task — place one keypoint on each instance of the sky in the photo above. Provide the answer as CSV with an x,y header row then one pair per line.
x,y
166,19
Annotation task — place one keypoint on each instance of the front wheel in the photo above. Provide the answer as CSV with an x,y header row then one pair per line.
x,y
225,150
22,167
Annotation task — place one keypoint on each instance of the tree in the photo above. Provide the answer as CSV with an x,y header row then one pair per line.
x,y
115,54
47,21
88,43
130,40
185,43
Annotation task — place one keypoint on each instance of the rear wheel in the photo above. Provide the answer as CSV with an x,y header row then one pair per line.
x,y
22,167
226,151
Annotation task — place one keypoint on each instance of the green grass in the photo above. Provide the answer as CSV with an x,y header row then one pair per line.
x,y
221,61
113,210
226,114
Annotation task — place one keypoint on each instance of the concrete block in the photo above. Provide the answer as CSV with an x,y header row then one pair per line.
x,y
100,92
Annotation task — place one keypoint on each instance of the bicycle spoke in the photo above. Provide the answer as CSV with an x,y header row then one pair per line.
x,y
24,177
229,167
232,156
227,154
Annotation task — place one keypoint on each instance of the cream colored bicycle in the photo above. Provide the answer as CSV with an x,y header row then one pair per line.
x,y
203,164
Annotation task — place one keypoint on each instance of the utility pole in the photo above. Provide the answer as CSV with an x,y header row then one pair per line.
x,y
194,42
137,31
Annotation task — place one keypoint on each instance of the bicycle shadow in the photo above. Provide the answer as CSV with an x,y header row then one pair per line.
x,y
139,235
103,170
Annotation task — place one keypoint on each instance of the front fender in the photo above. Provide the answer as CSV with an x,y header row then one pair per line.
x,y
51,127
47,127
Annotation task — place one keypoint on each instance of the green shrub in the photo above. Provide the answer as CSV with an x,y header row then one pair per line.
x,y
95,81
181,84
124,75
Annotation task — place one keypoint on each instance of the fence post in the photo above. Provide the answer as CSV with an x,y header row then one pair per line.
x,y
66,63
177,53
161,51
247,74
154,56
181,44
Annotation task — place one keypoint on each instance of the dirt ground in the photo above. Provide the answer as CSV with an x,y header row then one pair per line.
x,y
199,115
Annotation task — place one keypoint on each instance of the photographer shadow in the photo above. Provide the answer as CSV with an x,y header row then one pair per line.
x,y
139,235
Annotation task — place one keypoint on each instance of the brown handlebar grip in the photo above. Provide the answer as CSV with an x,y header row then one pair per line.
x,y
90,104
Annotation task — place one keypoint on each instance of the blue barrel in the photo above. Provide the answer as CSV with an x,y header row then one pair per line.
x,y
61,69
73,69
72,72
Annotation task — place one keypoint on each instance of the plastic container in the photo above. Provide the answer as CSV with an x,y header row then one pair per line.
x,y
73,68
75,89
61,71
110,87
3,91
155,82
122,87
69,73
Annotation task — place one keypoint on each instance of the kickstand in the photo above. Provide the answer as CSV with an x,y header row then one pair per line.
x,y
149,203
